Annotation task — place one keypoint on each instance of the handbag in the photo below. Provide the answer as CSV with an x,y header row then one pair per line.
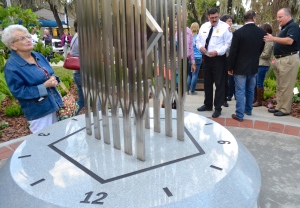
x,y
72,62
70,105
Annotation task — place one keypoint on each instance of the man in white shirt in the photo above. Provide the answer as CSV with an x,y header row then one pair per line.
x,y
213,41
34,36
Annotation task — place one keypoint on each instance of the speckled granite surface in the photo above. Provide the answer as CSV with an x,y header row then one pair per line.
x,y
64,167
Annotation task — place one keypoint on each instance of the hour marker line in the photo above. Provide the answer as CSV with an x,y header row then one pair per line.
x,y
24,156
168,192
37,182
215,167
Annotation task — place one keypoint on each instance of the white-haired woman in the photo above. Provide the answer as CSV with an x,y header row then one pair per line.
x,y
31,79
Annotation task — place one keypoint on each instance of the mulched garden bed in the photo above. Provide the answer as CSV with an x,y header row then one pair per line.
x,y
18,126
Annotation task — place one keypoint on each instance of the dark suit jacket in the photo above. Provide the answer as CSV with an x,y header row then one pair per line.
x,y
246,47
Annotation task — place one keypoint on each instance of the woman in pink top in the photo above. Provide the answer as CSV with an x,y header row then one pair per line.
x,y
190,50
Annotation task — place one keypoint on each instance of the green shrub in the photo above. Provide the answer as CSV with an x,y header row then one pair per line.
x,y
268,93
41,48
270,88
67,82
13,110
270,74
296,97
3,124
270,83
4,90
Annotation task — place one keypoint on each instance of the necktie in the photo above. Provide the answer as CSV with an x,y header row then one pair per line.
x,y
208,37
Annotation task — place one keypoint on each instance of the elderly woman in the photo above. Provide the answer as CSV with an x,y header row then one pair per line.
x,y
31,79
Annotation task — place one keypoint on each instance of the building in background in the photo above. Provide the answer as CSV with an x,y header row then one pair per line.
x,y
47,19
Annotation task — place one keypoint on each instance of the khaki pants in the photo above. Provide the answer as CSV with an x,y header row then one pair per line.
x,y
285,69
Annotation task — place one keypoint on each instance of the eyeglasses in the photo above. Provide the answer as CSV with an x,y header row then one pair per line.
x,y
22,38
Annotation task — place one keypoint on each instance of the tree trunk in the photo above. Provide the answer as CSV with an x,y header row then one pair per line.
x,y
56,17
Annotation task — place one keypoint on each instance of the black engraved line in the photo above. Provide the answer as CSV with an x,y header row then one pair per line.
x,y
92,174
215,167
151,168
39,181
24,156
208,124
67,136
102,181
167,191
194,141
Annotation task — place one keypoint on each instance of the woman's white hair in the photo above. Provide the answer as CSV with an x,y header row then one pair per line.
x,y
8,34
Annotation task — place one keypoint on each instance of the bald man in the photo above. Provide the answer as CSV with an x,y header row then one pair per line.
x,y
286,61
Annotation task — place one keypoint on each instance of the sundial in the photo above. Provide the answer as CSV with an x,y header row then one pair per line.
x,y
123,157
62,166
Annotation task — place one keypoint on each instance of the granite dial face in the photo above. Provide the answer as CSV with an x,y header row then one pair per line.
x,y
64,167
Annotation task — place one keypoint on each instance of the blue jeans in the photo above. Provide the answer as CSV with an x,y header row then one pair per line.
x,y
244,88
193,77
261,75
80,101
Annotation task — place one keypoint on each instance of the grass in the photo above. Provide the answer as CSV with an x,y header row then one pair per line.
x,y
62,72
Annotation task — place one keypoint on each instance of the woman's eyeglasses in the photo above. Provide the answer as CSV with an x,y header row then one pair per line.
x,y
22,38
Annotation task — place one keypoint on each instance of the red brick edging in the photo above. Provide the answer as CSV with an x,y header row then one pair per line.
x,y
260,125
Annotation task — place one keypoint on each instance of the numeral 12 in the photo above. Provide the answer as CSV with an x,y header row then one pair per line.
x,y
102,195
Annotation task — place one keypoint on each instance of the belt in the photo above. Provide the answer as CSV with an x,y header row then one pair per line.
x,y
284,55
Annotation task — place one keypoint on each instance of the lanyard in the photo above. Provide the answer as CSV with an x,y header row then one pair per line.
x,y
46,73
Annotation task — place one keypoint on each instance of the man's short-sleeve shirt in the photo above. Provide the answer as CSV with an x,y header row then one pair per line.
x,y
291,30
220,39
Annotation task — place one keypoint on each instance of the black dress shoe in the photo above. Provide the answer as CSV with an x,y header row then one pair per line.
x,y
279,113
236,118
225,104
272,110
216,114
204,108
228,99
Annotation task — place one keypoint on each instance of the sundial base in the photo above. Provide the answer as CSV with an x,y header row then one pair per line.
x,y
64,167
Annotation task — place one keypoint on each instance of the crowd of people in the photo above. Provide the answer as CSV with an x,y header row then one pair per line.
x,y
236,62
